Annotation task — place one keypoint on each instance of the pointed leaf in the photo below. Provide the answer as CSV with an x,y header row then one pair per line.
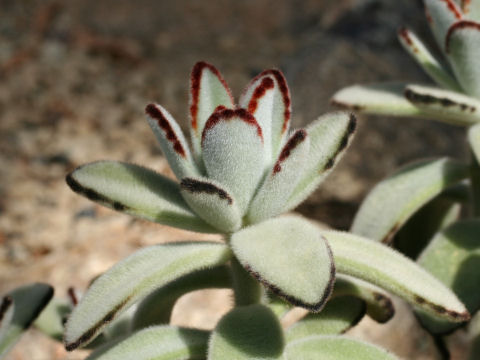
x,y
378,99
338,315
267,98
334,348
394,200
290,257
441,14
213,202
247,332
379,306
132,279
330,135
232,151
425,59
28,301
453,257
448,106
172,141
208,90
390,270
157,308
136,191
281,180
159,343
463,52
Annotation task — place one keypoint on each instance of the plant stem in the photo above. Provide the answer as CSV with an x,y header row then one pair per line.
x,y
247,290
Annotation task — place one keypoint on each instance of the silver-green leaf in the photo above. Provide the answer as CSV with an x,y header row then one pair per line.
x,y
132,279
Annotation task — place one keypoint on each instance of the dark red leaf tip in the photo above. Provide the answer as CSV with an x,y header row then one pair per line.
x,y
460,25
195,80
7,301
465,4
453,8
260,91
156,113
196,186
404,33
229,114
298,137
72,295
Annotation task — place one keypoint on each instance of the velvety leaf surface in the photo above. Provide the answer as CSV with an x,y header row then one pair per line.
x,y
441,14
453,257
382,266
426,60
338,315
247,332
159,343
232,151
172,141
445,105
208,90
462,49
330,135
213,202
157,308
334,348
290,257
267,98
379,306
281,180
395,199
132,279
27,302
137,191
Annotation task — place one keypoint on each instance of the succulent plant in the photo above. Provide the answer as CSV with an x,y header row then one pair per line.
x,y
244,169
420,204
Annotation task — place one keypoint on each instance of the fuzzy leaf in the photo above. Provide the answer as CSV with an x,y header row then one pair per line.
x,y
448,106
247,332
474,140
462,49
137,191
281,180
441,14
132,279
172,141
334,348
159,343
338,315
453,257
379,99
379,306
425,59
267,98
232,150
208,90
27,302
330,135
213,202
290,257
395,199
157,308
382,266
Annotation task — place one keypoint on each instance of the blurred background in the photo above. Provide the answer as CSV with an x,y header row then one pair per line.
x,y
75,77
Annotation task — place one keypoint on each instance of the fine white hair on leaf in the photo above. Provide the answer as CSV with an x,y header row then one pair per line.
x,y
282,179
232,151
172,141
208,90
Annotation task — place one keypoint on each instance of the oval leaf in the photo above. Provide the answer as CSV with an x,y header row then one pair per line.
x,y
382,266
247,332
137,191
334,348
394,200
27,302
338,315
441,14
132,279
290,257
453,257
159,343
